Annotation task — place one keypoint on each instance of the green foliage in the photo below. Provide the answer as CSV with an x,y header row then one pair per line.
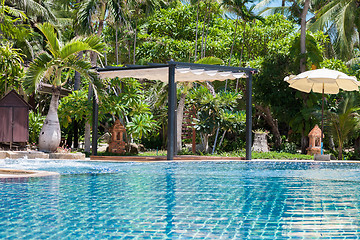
x,y
335,64
313,50
210,60
163,40
62,57
270,89
269,155
343,121
35,123
218,111
141,125
288,147
12,23
74,106
10,67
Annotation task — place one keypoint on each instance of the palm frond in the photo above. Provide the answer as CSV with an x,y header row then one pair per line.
x,y
35,73
95,43
84,16
74,47
262,4
345,26
34,9
324,16
14,12
49,32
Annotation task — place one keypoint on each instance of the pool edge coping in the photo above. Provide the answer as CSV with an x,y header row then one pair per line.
x,y
19,174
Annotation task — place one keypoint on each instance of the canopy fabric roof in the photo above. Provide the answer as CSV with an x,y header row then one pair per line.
x,y
161,73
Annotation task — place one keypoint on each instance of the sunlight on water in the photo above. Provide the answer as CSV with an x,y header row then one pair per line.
x,y
182,200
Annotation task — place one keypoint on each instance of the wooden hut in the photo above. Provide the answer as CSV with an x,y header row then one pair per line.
x,y
14,119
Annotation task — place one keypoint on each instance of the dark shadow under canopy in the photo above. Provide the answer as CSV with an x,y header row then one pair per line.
x,y
180,72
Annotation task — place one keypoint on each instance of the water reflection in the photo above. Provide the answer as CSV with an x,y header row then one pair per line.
x,y
228,200
170,198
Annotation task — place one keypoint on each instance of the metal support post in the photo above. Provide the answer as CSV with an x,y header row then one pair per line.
x,y
248,115
171,114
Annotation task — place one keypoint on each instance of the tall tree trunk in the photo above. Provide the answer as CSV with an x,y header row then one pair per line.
x,y
211,88
129,51
116,45
205,142
303,36
87,137
93,60
222,139
179,121
207,32
340,156
242,47
203,32
356,145
77,82
266,114
196,31
232,48
233,43
135,42
50,134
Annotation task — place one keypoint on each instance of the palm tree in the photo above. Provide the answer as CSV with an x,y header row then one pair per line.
x,y
297,10
91,18
239,7
343,121
50,66
37,11
341,20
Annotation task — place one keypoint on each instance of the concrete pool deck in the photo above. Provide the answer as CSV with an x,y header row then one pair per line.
x,y
37,154
6,174
163,158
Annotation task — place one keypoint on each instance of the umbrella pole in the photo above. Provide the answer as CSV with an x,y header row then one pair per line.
x,y
322,121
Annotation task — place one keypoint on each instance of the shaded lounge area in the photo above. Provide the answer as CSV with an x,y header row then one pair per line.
x,y
174,72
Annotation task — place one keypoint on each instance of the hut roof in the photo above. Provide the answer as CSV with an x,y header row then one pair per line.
x,y
13,99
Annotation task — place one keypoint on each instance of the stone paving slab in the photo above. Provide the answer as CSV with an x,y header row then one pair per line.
x,y
15,174
37,154
28,154
67,156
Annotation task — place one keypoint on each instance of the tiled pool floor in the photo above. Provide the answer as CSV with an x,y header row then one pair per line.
x,y
187,200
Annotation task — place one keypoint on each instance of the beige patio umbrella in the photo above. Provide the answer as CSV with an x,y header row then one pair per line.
x,y
323,81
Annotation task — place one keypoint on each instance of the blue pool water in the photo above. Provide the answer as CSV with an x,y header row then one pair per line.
x,y
182,200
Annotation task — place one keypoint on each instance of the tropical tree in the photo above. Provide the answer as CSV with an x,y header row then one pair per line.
x,y
343,121
91,18
240,8
37,11
212,111
11,67
297,10
50,66
341,20
184,90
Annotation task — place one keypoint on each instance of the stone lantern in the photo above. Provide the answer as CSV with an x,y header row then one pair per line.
x,y
314,141
260,143
117,143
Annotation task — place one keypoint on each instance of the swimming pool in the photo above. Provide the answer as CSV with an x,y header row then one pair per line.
x,y
182,200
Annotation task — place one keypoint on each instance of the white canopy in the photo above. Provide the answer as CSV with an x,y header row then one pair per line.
x,y
182,74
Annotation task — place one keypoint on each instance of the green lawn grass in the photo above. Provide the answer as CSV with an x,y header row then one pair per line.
x,y
255,155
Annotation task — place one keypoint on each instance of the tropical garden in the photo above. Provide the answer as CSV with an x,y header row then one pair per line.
x,y
60,43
